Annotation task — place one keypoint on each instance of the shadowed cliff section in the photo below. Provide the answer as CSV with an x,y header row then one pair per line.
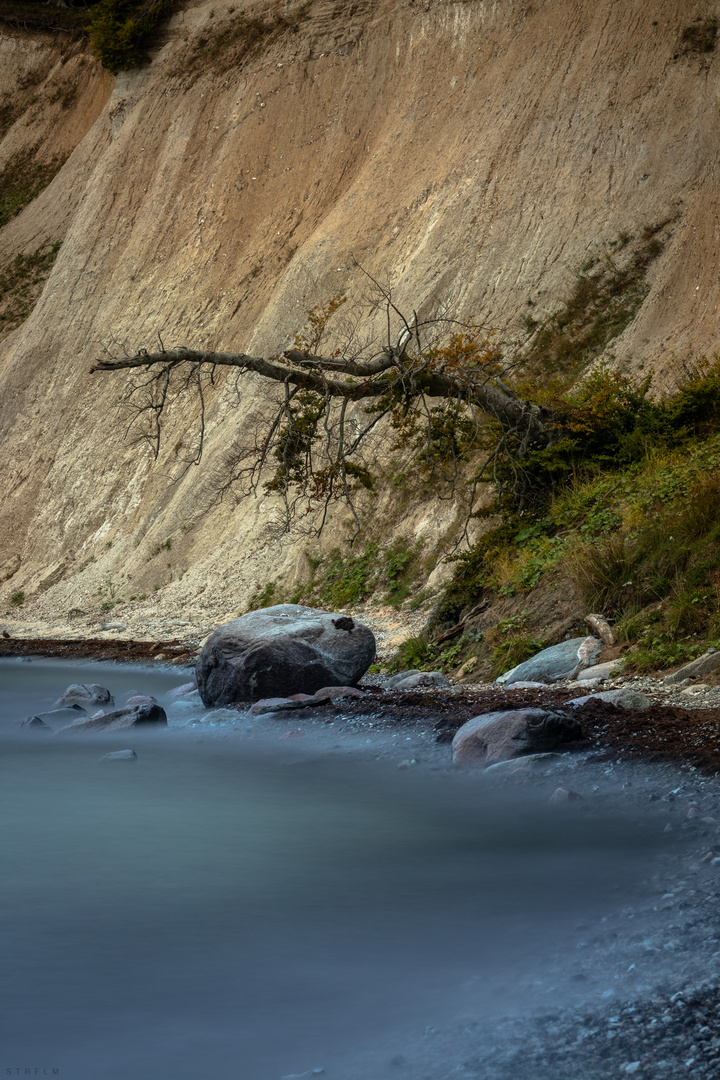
x,y
478,153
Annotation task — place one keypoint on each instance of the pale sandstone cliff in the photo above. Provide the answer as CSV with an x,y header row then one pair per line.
x,y
472,151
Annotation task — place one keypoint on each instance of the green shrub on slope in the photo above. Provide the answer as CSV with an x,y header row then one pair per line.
x,y
121,30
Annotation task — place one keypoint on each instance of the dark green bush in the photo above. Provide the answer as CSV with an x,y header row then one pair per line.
x,y
35,15
609,428
121,31
701,37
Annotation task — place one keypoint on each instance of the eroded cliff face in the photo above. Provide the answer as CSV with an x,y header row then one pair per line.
x,y
475,153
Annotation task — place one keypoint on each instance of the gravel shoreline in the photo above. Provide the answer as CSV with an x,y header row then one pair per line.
x,y
634,992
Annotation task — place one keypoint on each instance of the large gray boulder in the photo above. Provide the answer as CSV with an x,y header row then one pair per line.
x,y
500,736
558,662
282,650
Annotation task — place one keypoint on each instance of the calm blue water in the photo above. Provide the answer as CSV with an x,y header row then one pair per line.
x,y
216,909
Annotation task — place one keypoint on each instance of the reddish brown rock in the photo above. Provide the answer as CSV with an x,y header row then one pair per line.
x,y
302,701
499,736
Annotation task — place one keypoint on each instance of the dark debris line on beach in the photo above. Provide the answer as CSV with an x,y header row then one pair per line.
x,y
175,652
660,733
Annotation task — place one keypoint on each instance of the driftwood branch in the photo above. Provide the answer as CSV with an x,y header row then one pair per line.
x,y
436,380
378,378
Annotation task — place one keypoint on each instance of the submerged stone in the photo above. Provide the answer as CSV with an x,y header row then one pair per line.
x,y
87,696
135,716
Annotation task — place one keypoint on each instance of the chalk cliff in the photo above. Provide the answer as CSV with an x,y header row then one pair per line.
x,y
473,152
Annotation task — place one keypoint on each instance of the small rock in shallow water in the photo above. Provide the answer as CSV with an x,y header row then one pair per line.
x,y
120,755
34,723
524,763
183,690
121,719
59,718
86,696
220,716
563,795
193,697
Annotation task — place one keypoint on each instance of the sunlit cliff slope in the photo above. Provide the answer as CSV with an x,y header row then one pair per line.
x,y
475,153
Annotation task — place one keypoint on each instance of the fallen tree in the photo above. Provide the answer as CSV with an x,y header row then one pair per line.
x,y
444,388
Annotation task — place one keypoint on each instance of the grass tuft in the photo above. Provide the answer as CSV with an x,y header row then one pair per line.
x,y
21,283
22,179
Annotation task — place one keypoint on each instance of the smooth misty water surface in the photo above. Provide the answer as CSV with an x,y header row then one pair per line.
x,y
215,909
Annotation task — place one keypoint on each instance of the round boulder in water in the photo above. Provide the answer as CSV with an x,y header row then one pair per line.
x,y
282,650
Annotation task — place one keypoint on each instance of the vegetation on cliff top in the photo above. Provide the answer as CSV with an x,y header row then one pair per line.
x,y
633,531
120,31
635,535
